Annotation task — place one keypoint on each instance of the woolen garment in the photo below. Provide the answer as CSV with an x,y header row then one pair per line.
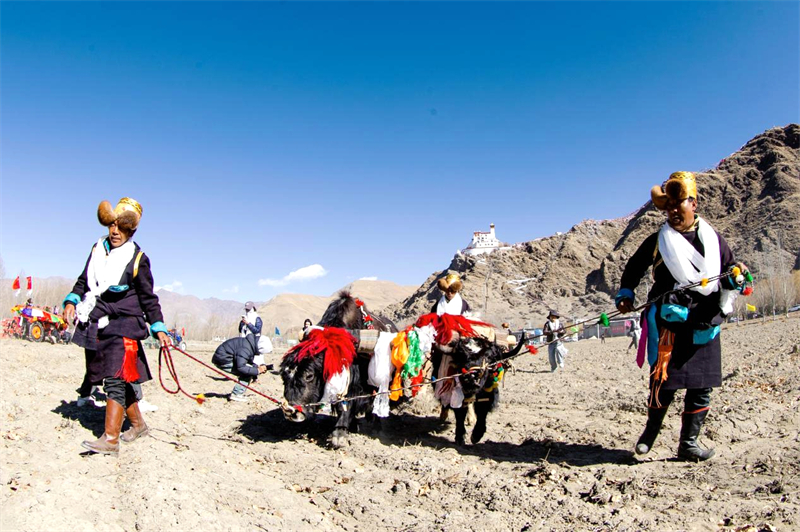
x,y
238,354
129,307
691,366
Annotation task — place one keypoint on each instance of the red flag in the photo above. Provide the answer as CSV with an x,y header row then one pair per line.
x,y
30,283
15,286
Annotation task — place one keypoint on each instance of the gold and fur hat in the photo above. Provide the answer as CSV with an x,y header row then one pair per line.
x,y
127,214
450,282
678,187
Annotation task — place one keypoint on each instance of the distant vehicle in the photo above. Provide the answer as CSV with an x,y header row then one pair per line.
x,y
42,322
793,309
534,336
177,338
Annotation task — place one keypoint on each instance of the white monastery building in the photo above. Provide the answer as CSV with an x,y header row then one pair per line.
x,y
484,242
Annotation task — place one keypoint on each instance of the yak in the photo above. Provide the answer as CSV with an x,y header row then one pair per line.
x,y
476,364
303,381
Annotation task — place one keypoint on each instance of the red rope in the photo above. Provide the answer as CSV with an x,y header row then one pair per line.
x,y
173,373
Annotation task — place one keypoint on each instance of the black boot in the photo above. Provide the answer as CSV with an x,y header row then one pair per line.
x,y
655,418
690,430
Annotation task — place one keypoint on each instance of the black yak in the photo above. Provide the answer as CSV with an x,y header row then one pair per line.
x,y
329,351
476,361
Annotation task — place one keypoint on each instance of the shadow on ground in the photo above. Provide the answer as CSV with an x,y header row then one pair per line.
x,y
427,431
90,418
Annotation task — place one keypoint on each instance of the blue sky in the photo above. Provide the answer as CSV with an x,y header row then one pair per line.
x,y
295,147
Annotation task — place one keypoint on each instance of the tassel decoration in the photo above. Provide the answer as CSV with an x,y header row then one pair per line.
x,y
129,372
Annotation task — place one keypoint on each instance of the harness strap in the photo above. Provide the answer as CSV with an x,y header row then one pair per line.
x,y
136,264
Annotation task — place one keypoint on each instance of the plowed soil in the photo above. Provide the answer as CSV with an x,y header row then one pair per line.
x,y
556,456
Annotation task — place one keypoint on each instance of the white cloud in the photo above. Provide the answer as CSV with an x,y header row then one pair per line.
x,y
307,273
176,286
373,278
232,290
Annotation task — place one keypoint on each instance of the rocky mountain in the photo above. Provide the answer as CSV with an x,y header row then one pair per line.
x,y
752,197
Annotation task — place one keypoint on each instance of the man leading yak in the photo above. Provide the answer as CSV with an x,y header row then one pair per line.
x,y
682,327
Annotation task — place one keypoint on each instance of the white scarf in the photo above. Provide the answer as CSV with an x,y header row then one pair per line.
x,y
685,263
336,387
105,269
380,372
449,307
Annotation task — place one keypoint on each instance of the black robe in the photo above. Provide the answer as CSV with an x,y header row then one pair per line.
x,y
691,366
127,311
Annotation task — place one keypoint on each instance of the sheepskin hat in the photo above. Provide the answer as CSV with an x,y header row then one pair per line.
x,y
678,187
126,214
450,282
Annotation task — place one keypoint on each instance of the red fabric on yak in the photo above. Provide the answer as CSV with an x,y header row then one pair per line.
x,y
447,324
338,344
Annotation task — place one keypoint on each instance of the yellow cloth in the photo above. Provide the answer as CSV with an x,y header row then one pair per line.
x,y
399,358
751,308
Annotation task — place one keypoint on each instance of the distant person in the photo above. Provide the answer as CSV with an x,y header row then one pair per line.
x,y
452,303
636,335
683,327
306,328
112,298
25,321
603,335
554,332
250,323
237,356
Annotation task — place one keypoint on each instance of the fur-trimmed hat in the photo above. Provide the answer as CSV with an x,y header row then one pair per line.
x,y
553,313
450,282
127,214
678,187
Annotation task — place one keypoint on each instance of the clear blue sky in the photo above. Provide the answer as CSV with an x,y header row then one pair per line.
x,y
368,138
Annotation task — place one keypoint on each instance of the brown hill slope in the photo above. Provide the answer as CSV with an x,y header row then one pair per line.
x,y
214,317
752,198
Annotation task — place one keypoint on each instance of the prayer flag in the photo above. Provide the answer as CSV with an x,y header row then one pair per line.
x,y
30,285
751,308
277,332
15,286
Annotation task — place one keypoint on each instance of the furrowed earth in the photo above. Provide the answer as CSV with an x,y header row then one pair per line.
x,y
556,455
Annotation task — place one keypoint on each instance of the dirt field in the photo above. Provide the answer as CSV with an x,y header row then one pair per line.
x,y
557,454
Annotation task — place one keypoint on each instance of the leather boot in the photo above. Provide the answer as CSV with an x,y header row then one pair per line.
x,y
655,418
108,443
690,429
138,426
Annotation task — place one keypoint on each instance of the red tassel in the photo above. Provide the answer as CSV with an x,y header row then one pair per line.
x,y
338,344
447,324
417,380
129,372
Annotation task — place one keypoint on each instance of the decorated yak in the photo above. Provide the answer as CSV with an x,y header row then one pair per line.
x,y
471,368
362,357
325,366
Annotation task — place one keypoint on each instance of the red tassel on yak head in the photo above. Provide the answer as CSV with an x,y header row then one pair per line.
x,y
338,344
